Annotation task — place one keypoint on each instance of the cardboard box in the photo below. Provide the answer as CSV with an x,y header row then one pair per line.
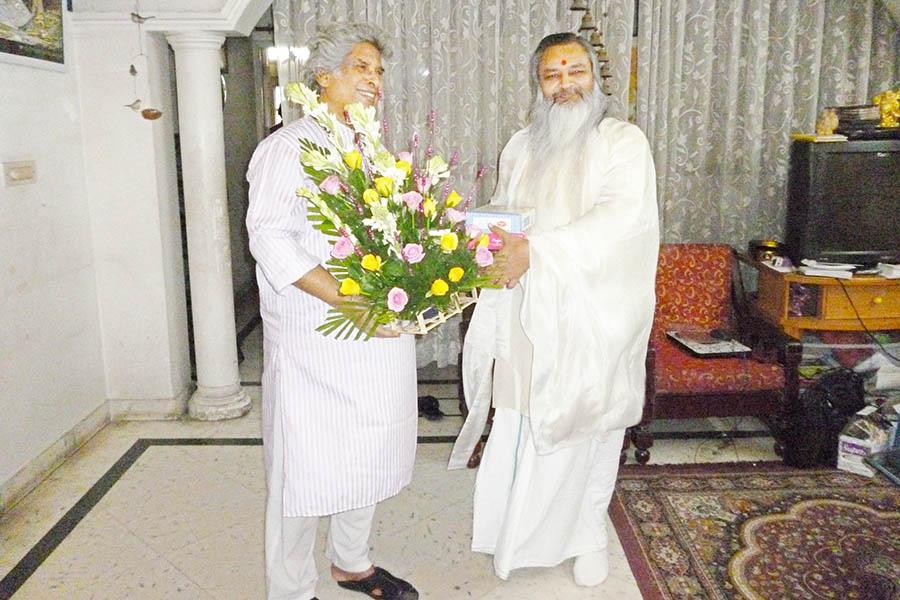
x,y
865,434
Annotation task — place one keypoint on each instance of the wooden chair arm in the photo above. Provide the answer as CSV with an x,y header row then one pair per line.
x,y
650,383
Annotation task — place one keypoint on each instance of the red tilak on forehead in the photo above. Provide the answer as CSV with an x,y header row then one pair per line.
x,y
564,61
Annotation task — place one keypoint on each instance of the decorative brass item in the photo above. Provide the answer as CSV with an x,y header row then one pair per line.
x,y
579,5
587,22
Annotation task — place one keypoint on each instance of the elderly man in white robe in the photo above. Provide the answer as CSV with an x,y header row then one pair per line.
x,y
339,417
568,337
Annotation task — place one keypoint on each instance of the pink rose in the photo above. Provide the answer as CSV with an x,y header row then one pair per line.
x,y
454,215
330,185
397,299
407,156
483,257
413,253
342,249
412,200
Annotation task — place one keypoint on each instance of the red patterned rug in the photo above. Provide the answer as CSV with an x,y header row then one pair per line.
x,y
758,531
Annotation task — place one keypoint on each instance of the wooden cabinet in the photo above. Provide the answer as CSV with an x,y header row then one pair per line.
x,y
798,302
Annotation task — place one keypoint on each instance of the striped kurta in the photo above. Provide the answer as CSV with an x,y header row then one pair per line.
x,y
348,409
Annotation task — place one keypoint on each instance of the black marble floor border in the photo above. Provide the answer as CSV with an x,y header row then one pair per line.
x,y
26,567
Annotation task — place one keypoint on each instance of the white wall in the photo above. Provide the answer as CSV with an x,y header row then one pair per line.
x,y
131,182
51,364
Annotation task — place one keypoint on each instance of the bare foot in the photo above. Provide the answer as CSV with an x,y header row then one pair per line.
x,y
342,575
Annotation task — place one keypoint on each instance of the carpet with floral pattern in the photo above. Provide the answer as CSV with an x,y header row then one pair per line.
x,y
758,530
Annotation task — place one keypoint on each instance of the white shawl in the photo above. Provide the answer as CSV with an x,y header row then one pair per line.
x,y
588,298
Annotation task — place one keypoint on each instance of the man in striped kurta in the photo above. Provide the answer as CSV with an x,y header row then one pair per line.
x,y
339,416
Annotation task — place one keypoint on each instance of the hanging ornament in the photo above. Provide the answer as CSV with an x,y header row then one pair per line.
x,y
139,69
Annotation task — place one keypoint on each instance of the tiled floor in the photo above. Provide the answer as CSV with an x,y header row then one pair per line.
x,y
184,520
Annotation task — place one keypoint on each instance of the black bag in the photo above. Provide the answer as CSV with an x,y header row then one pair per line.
x,y
811,431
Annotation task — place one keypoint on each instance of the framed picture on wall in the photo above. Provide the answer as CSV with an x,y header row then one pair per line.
x,y
31,33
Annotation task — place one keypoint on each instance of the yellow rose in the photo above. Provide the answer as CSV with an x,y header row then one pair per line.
x,y
455,274
483,241
404,166
449,242
384,185
353,159
439,287
429,207
350,288
370,262
453,199
370,196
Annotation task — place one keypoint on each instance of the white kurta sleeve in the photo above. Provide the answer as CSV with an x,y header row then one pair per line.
x,y
276,218
509,157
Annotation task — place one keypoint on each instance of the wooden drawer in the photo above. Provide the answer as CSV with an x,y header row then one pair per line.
x,y
871,302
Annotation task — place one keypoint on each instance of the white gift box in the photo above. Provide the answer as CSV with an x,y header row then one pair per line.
x,y
514,220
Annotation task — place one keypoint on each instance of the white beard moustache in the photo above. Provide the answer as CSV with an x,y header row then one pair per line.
x,y
557,140
560,126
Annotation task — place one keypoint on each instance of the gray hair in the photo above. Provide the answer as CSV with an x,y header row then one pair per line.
x,y
561,39
329,47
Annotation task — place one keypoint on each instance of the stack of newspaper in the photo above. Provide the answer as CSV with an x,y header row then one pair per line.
x,y
827,269
889,271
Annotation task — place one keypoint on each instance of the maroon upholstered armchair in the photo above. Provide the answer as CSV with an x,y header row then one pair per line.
x,y
699,286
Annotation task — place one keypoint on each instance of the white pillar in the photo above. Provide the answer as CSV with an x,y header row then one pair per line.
x,y
219,394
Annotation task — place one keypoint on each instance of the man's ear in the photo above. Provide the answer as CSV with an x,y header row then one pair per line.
x,y
323,78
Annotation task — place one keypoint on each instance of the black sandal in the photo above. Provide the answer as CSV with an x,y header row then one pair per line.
x,y
387,586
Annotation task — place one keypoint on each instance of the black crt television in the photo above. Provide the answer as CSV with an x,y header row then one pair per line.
x,y
844,201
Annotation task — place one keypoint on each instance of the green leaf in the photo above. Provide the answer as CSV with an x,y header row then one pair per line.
x,y
357,181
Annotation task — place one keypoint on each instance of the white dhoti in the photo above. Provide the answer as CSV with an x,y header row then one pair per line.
x,y
536,510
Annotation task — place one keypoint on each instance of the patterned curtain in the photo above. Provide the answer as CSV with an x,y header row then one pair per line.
x,y
723,83
468,61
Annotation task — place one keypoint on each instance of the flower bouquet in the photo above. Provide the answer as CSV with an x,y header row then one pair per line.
x,y
399,244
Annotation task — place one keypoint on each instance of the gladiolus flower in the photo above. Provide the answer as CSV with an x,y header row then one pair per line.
x,y
412,199
397,299
449,242
370,262
483,257
353,159
455,274
439,287
453,199
429,207
384,185
404,166
413,253
350,288
342,249
370,196
330,185
454,215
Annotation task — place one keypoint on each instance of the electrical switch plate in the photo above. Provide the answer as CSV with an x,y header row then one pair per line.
x,y
21,172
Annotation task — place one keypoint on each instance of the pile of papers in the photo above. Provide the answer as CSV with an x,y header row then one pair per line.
x,y
827,269
889,271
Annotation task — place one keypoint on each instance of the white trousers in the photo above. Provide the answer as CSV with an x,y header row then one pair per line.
x,y
537,511
291,572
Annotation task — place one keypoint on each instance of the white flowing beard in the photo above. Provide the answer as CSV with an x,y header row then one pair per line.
x,y
558,138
